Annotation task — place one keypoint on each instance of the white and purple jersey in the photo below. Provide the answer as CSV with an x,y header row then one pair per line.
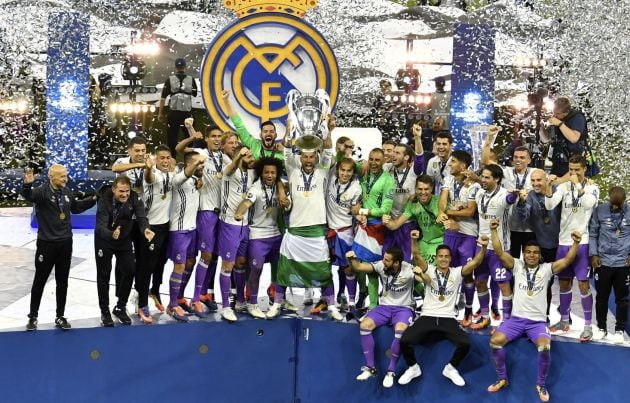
x,y
530,290
185,203
234,190
576,210
438,170
157,196
459,195
405,180
210,193
264,211
513,180
135,175
442,292
397,288
495,205
340,198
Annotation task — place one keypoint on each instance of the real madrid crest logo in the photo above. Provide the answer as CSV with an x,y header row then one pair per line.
x,y
263,55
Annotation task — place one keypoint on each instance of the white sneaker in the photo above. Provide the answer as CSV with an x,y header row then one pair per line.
x,y
366,373
334,313
599,334
617,337
228,315
410,374
287,306
240,306
388,381
274,311
255,311
308,296
451,373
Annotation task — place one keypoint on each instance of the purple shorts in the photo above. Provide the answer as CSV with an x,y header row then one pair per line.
x,y
263,250
515,327
232,241
390,315
182,246
462,246
207,230
580,267
401,238
492,266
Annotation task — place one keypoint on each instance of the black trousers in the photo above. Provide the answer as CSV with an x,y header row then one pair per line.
x,y
151,258
518,240
125,265
607,278
175,122
49,254
444,328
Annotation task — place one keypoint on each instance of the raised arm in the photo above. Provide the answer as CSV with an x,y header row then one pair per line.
x,y
487,144
236,162
563,263
552,197
30,194
415,251
504,257
355,265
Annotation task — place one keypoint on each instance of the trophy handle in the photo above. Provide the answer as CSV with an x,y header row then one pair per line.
x,y
292,96
324,98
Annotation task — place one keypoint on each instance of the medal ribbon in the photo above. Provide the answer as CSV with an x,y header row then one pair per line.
x,y
617,223
520,184
339,194
531,279
404,178
269,199
244,176
442,284
484,207
369,185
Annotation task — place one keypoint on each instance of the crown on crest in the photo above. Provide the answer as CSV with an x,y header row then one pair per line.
x,y
244,8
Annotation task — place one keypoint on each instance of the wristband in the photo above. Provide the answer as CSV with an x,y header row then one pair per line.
x,y
364,211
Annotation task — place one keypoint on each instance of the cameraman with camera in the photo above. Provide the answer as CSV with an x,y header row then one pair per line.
x,y
569,134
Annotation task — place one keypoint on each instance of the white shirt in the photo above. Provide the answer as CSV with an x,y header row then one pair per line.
x,y
234,190
512,180
210,193
576,211
157,196
340,198
432,304
405,188
438,172
497,207
263,222
135,175
532,307
397,289
460,194
185,203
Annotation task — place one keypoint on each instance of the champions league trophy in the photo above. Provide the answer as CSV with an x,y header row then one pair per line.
x,y
308,114
478,134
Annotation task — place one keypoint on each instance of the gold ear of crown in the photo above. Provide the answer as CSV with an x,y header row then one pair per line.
x,y
244,8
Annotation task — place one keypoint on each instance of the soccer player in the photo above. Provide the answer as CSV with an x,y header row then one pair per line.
x,y
531,279
388,151
579,198
458,207
438,166
264,235
133,165
395,308
442,283
182,248
493,202
233,234
53,204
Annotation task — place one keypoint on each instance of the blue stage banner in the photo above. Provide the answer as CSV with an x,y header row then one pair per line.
x,y
67,97
472,85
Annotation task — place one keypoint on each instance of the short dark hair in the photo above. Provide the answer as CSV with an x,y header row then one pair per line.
x,y
189,156
563,104
531,242
268,161
377,150
462,156
444,135
578,159
523,148
495,171
162,147
443,246
617,189
342,139
396,253
122,180
267,123
389,143
408,151
136,140
210,128
425,179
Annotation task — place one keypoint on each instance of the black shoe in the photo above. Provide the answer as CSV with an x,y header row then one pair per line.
x,y
62,323
106,320
122,316
31,325
361,300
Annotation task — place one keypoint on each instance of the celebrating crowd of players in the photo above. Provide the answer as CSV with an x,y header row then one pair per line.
x,y
399,226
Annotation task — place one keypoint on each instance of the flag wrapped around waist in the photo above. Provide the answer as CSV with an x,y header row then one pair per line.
x,y
304,259
340,242
368,242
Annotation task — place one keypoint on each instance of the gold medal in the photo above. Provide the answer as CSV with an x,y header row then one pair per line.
x,y
269,211
441,298
307,194
219,175
618,232
547,220
484,216
575,209
164,196
62,216
530,292
385,294
244,196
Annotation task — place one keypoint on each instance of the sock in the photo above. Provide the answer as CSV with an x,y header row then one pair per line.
x,y
254,284
484,300
587,307
498,356
507,307
185,277
367,344
279,294
565,304
351,283
373,290
341,276
544,362
240,278
224,282
201,272
469,295
395,349
328,293
174,284
210,273
495,292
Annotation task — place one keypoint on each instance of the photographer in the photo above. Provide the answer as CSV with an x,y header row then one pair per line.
x,y
569,134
